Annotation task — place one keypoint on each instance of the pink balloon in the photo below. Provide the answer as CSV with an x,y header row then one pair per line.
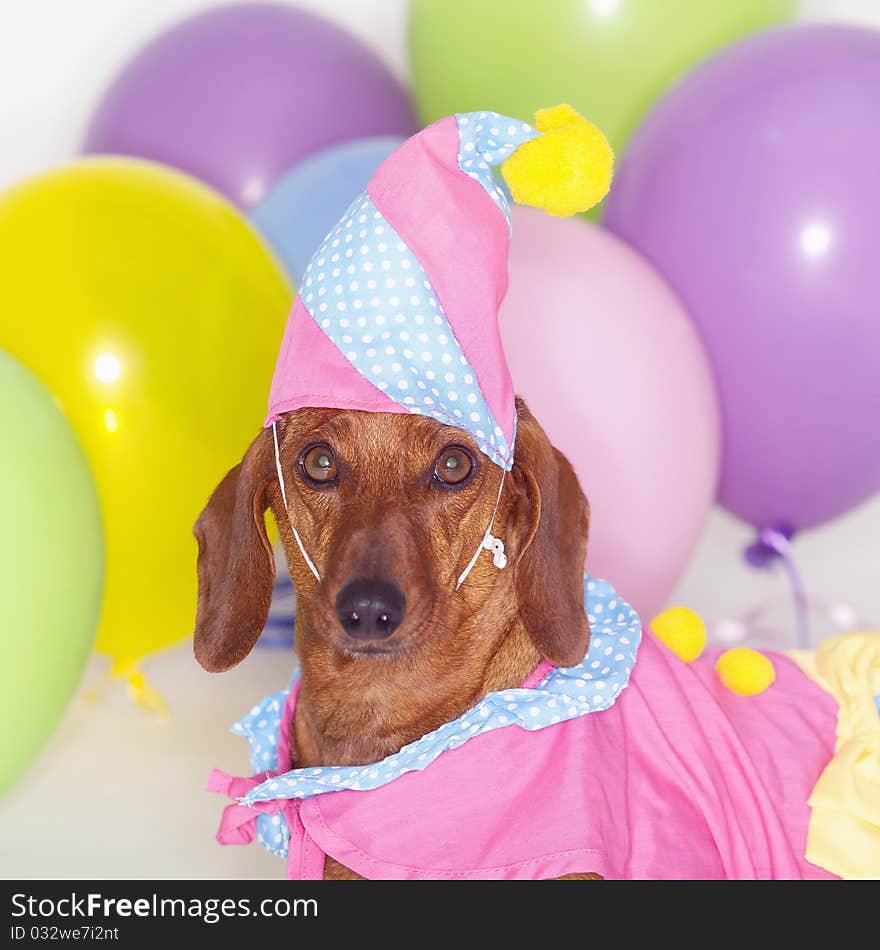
x,y
607,360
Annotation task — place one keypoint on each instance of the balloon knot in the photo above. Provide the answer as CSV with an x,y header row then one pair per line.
x,y
771,544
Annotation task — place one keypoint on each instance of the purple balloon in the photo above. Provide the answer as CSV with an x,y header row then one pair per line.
x,y
754,188
238,95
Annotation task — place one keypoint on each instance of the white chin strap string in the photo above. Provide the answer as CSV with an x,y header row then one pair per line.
x,y
489,542
299,543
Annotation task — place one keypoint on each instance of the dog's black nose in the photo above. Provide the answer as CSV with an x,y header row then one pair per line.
x,y
370,610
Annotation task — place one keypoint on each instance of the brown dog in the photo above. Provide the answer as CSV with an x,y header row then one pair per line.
x,y
391,508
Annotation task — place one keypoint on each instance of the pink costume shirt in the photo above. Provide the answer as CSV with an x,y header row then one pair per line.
x,y
661,774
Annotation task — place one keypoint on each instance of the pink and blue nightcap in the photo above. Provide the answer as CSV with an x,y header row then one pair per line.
x,y
398,308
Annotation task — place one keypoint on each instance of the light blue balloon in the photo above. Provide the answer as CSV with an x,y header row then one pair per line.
x,y
301,208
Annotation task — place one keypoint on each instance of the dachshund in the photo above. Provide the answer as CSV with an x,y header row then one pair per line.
x,y
390,507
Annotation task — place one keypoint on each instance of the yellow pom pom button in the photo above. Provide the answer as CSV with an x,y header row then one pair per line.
x,y
682,630
564,170
744,671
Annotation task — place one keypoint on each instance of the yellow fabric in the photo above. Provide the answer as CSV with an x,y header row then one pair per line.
x,y
844,832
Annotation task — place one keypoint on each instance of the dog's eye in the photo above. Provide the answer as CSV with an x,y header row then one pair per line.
x,y
319,464
453,466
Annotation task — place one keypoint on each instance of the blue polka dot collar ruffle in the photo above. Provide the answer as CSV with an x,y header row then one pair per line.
x,y
565,693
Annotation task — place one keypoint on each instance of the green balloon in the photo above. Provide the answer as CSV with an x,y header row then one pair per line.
x,y
51,565
610,59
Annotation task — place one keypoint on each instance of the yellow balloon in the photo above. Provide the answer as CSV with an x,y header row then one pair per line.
x,y
153,312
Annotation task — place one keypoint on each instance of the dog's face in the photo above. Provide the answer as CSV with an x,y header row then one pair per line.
x,y
391,507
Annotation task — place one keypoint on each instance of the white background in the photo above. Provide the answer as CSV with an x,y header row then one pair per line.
x,y
112,795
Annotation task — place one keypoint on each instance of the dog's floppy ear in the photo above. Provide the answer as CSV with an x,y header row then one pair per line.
x,y
236,567
554,516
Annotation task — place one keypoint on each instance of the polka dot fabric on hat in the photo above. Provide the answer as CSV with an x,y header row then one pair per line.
x,y
487,139
368,292
591,686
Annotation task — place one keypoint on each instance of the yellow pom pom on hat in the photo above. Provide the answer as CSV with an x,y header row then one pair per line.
x,y
682,630
745,671
566,169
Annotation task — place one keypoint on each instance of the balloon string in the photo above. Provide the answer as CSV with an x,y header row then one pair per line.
x,y
144,696
139,689
772,545
800,602
841,617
